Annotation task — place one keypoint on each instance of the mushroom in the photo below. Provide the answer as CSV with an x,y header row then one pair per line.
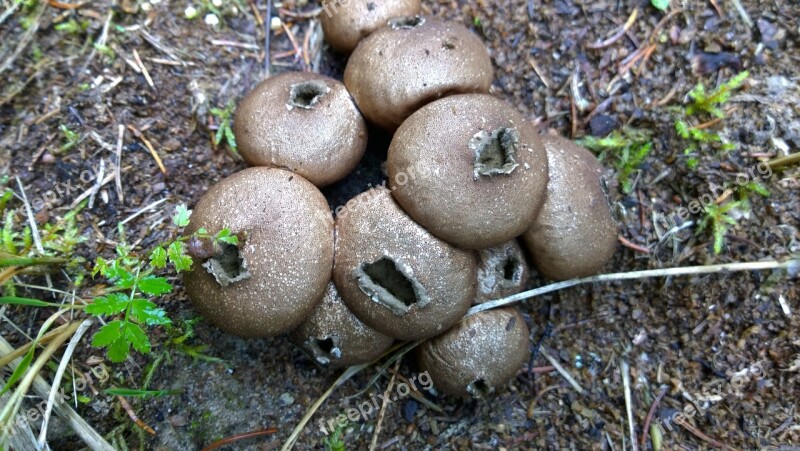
x,y
346,22
276,276
479,355
395,276
303,122
574,234
470,169
502,271
411,62
332,335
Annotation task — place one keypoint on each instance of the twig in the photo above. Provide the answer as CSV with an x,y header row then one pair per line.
x,y
626,386
118,169
650,415
539,73
631,245
144,69
298,51
99,182
73,342
267,35
699,434
620,33
374,443
150,148
780,163
792,265
129,410
142,211
742,13
236,438
563,372
19,352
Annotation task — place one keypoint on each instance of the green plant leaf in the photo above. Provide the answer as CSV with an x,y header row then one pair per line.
x,y
108,305
21,369
108,334
158,258
182,214
140,393
134,335
660,4
225,236
154,286
177,256
118,350
24,301
147,312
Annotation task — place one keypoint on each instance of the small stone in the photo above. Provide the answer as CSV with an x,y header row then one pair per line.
x,y
172,144
286,399
602,124
177,421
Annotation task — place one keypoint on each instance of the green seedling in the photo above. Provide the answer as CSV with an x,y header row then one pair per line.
x,y
72,26
698,140
335,441
224,131
661,5
71,138
703,102
626,151
718,220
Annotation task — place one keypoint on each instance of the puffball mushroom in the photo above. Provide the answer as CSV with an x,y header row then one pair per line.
x,y
332,335
275,278
304,122
346,24
479,355
411,62
470,169
395,276
574,234
502,271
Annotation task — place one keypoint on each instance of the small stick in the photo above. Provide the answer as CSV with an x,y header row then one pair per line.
x,y
631,245
298,52
259,20
142,211
267,35
118,170
624,369
779,163
133,416
539,73
563,372
236,438
620,33
374,443
306,40
650,415
150,148
144,69
699,434
59,5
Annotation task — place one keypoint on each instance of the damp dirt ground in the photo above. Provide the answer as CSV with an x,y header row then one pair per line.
x,y
561,65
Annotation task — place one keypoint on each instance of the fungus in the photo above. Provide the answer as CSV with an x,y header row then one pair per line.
x,y
277,275
502,271
574,234
272,126
332,335
413,61
490,170
395,276
345,25
479,355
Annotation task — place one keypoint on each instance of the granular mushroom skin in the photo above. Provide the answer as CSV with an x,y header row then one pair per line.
x,y
304,122
479,355
345,25
502,271
394,275
470,169
277,275
413,61
575,234
334,336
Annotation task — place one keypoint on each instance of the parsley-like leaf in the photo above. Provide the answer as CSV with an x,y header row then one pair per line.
x,y
154,286
108,305
182,214
158,258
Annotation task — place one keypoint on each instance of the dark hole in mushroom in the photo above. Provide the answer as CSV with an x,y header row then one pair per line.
x,y
511,269
479,388
406,23
325,349
325,344
387,284
227,266
306,95
495,152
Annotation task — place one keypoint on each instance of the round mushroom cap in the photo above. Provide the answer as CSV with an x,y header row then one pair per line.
x,y
470,169
574,234
411,62
502,271
395,276
332,335
304,122
479,355
346,25
275,278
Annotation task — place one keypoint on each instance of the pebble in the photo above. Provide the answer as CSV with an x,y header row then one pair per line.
x,y
286,399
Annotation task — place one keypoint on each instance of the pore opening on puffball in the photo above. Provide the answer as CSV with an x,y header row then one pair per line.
x,y
227,266
386,284
495,152
306,95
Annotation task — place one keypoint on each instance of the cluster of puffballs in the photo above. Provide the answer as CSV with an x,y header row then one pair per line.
x,y
468,176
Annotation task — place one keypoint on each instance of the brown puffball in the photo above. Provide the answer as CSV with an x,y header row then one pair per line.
x,y
574,234
346,25
332,335
275,277
470,169
479,355
395,276
502,271
304,122
413,61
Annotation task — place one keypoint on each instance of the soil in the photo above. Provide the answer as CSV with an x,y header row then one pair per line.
x,y
689,335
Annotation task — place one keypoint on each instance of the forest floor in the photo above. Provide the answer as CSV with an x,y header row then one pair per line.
x,y
75,74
